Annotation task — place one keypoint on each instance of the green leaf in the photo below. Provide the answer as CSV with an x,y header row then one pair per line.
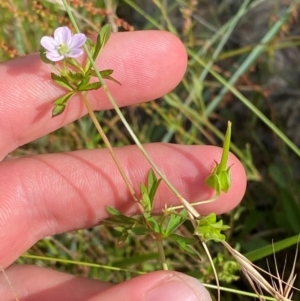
x,y
60,104
103,73
105,34
149,191
153,184
112,79
120,222
76,77
145,201
152,187
106,72
102,39
85,81
93,86
189,250
152,222
176,219
58,109
143,189
183,239
62,81
184,243
106,75
113,211
141,230
63,99
151,179
118,218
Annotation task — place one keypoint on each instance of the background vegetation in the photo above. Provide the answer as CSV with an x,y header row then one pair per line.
x,y
249,45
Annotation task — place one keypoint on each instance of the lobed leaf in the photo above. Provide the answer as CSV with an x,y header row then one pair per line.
x,y
209,229
176,220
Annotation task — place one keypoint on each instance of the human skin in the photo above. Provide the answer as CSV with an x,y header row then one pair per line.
x,y
53,193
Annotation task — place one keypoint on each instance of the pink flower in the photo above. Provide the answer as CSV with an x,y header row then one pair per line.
x,y
64,44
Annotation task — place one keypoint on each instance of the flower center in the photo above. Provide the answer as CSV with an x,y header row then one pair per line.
x,y
63,49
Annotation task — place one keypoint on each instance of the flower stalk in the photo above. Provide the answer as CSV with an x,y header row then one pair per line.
x,y
109,147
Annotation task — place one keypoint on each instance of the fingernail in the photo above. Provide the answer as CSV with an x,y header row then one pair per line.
x,y
178,288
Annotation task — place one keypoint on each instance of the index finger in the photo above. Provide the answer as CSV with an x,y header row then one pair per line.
x,y
147,63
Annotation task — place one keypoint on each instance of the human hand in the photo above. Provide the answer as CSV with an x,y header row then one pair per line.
x,y
48,194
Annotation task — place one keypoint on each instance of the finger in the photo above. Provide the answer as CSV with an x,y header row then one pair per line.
x,y
148,64
157,286
34,283
54,193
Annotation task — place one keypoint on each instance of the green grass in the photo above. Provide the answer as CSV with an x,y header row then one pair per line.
x,y
222,83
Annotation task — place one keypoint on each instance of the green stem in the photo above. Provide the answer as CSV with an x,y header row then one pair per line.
x,y
109,147
79,263
161,254
226,146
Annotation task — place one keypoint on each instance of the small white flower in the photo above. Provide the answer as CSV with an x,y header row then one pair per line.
x,y
64,44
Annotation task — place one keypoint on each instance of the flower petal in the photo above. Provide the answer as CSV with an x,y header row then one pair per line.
x,y
62,35
54,56
75,52
78,39
48,43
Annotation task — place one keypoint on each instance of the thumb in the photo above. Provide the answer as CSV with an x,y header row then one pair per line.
x,y
156,286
